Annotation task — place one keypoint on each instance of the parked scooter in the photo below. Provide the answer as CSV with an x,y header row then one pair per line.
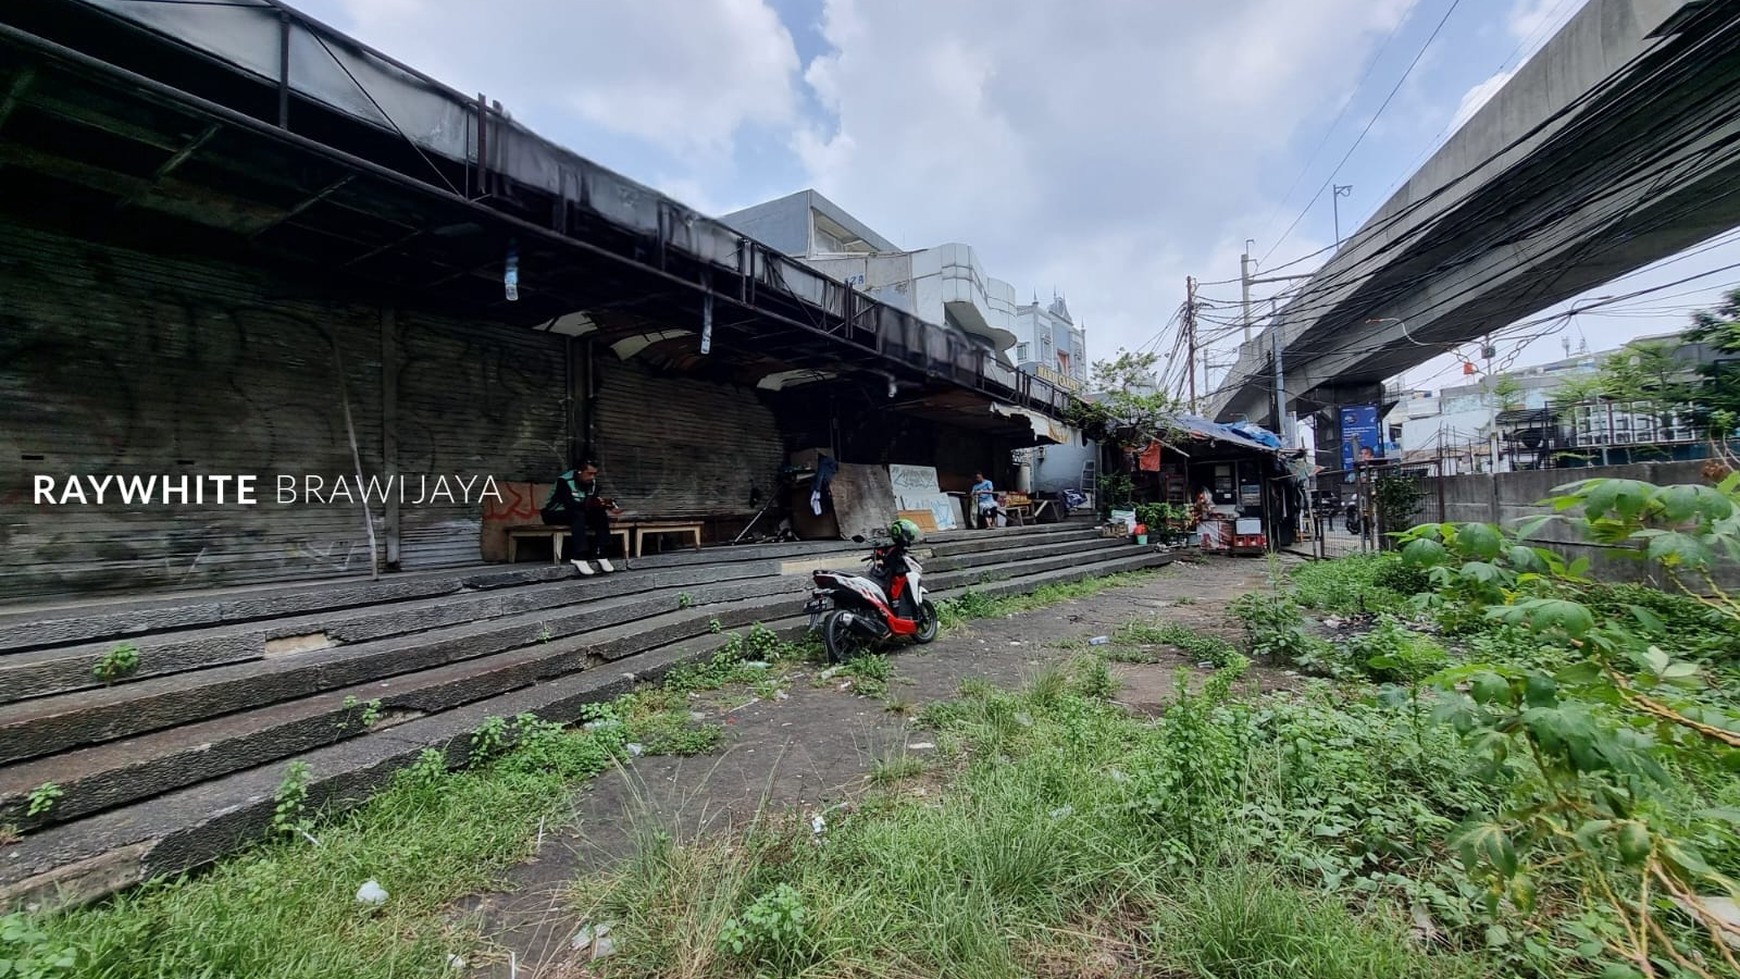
x,y
855,611
1353,516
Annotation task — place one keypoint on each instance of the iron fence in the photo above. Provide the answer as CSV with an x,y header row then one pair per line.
x,y
1359,511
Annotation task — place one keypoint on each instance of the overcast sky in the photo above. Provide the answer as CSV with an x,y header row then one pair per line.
x,y
1104,149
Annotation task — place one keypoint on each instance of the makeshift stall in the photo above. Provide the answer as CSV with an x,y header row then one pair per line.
x,y
1227,475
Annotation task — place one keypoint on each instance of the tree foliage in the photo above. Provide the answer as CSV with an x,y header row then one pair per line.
x,y
1717,394
1128,409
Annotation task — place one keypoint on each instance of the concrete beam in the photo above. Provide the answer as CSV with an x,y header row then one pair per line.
x,y
1524,207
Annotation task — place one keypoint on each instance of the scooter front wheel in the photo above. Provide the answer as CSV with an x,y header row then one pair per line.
x,y
842,642
928,623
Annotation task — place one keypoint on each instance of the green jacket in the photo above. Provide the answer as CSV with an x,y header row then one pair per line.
x,y
568,492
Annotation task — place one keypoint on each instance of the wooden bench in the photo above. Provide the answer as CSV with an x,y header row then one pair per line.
x,y
556,536
644,527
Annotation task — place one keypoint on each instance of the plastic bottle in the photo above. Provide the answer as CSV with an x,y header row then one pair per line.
x,y
511,277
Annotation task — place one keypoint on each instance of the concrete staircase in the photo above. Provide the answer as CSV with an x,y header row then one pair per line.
x,y
176,760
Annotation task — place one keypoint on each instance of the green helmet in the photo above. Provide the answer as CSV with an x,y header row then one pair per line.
x,y
905,532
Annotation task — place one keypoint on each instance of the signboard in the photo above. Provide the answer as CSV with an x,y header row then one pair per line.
x,y
1359,426
915,488
1056,377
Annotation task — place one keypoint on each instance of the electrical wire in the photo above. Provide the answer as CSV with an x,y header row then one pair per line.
x,y
1297,310
1345,105
1609,88
1369,124
1549,26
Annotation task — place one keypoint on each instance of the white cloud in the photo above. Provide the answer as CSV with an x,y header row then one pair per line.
x,y
1531,24
1091,146
1534,22
684,75
1477,97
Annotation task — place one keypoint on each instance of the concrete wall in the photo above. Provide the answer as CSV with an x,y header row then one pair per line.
x,y
782,224
1059,467
1511,497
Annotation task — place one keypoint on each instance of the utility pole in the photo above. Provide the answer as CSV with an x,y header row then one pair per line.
x,y
1245,286
1487,352
1280,384
1190,333
1340,191
1246,280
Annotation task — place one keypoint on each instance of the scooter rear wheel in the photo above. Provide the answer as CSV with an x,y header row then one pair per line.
x,y
842,642
928,623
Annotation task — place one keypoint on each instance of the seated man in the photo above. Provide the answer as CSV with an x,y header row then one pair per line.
x,y
985,501
574,502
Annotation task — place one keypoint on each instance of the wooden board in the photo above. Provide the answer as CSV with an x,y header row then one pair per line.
x,y
863,500
925,519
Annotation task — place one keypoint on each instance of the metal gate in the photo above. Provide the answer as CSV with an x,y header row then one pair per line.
x,y
1342,513
1351,514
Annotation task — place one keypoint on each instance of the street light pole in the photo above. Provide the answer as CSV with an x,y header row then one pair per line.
x,y
1340,191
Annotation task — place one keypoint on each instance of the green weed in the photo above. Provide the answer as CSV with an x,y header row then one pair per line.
x,y
43,799
901,766
1200,646
117,663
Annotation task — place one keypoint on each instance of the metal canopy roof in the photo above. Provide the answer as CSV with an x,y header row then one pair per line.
x,y
116,133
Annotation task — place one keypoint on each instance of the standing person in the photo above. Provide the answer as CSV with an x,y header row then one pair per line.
x,y
574,502
984,500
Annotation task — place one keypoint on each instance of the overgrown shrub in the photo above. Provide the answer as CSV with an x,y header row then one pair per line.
x,y
1353,585
1391,652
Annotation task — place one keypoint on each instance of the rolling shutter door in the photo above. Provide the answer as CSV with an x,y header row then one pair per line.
x,y
475,401
115,362
676,446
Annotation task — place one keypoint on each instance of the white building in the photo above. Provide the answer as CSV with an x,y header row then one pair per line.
x,y
945,285
1515,420
1050,344
1460,424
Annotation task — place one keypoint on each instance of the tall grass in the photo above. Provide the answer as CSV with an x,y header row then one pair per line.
x,y
287,909
1053,837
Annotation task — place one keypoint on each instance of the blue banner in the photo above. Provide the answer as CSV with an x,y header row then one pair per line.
x,y
1359,426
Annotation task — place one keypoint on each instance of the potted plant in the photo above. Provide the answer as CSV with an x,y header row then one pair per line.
x,y
1141,533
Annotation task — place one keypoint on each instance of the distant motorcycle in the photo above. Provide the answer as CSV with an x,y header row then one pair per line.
x,y
1352,519
855,611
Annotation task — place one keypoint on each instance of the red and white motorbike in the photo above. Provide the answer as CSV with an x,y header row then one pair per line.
x,y
855,611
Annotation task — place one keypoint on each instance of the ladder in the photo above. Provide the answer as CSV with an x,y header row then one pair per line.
x,y
1090,479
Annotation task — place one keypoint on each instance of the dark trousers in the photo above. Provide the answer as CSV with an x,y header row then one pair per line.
x,y
588,531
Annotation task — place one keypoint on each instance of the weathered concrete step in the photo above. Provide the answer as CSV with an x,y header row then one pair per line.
x,y
715,554
90,858
974,541
1083,546
78,622
1017,564
1032,529
115,620
41,727
102,777
1127,558
44,672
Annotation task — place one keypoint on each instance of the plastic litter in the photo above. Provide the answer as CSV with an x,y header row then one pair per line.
x,y
1100,641
371,893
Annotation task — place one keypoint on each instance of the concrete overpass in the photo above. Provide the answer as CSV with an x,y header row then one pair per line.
x,y
1617,145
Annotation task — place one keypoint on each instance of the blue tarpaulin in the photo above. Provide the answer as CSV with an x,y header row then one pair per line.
x,y
1241,434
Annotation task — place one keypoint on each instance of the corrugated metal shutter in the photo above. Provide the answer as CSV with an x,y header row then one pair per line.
x,y
116,362
475,401
676,446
